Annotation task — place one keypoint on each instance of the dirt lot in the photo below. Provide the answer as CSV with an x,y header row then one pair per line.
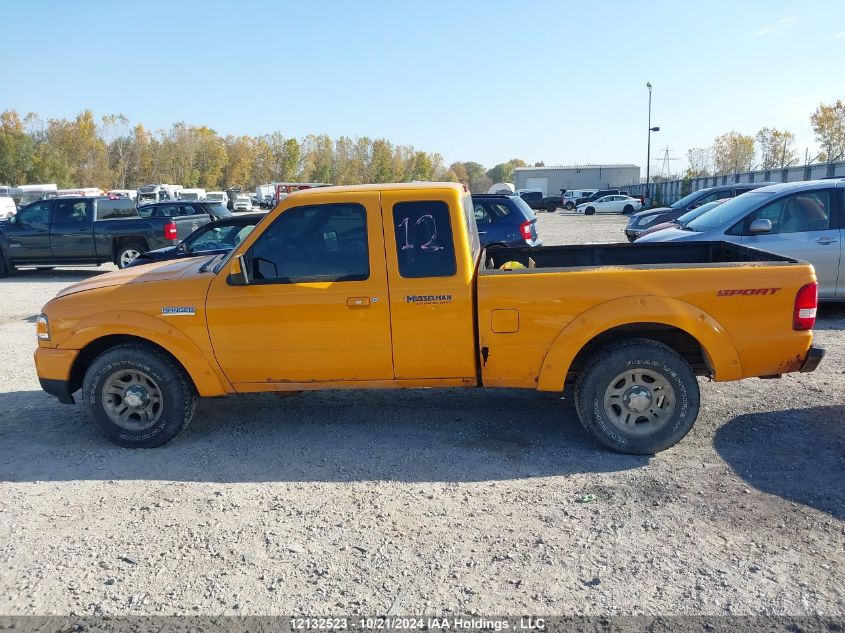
x,y
422,501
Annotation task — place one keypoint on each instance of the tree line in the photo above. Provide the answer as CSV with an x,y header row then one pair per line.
x,y
111,153
770,148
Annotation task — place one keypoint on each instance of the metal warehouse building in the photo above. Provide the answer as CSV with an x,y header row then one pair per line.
x,y
552,179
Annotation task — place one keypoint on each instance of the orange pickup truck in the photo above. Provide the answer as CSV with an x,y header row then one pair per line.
x,y
385,286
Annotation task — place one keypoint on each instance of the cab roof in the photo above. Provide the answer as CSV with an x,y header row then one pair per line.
x,y
388,186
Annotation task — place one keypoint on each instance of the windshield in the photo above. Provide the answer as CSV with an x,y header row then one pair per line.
x,y
31,196
727,213
218,211
689,216
687,200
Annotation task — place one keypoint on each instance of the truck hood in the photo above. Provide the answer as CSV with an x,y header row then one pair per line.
x,y
156,271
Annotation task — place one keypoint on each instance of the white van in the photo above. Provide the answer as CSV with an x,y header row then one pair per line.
x,y
192,194
218,196
570,197
7,207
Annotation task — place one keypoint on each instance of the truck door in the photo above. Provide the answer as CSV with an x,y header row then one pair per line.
x,y
316,307
71,231
28,233
431,283
803,227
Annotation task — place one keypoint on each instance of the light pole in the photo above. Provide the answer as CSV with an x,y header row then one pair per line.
x,y
648,151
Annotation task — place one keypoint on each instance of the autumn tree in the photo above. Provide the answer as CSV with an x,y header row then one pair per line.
x,y
829,125
777,148
699,162
733,152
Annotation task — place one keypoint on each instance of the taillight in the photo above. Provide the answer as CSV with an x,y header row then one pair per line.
x,y
806,304
525,227
170,232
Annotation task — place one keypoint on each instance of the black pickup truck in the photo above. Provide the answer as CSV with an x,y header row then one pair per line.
x,y
76,230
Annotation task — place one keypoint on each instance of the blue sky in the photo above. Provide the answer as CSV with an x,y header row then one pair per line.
x,y
561,82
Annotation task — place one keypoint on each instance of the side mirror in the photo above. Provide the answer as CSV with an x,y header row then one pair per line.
x,y
182,248
760,225
238,274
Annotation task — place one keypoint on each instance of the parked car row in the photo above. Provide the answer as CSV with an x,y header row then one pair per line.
x,y
648,218
800,220
96,230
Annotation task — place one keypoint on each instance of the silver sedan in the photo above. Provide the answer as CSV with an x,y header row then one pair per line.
x,y
800,220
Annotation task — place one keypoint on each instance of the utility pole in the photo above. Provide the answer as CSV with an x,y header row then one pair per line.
x,y
648,150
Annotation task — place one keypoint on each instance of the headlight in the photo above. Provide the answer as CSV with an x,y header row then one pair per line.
x,y
645,220
42,327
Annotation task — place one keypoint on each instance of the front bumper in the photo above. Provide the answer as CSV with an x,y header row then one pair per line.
x,y
814,357
58,388
53,367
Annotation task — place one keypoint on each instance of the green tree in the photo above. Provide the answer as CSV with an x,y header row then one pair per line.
x,y
17,150
504,172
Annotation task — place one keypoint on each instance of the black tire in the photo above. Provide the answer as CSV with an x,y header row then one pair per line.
x,y
602,373
569,206
4,267
551,207
628,210
177,395
121,257
589,211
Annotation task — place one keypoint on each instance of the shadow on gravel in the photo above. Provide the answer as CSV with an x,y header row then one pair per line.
x,y
798,454
408,436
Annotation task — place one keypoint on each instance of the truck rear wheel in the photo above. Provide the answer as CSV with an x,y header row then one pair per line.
x,y
138,397
127,253
551,207
637,397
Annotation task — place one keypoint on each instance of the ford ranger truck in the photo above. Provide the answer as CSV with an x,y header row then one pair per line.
x,y
386,286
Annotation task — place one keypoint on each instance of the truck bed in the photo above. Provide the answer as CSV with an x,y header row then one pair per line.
x,y
685,294
655,255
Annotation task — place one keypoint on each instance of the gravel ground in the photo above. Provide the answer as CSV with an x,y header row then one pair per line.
x,y
471,502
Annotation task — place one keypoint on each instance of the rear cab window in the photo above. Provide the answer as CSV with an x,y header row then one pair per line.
x,y
424,244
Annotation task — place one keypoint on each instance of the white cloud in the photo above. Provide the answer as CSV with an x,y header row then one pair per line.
x,y
770,28
840,36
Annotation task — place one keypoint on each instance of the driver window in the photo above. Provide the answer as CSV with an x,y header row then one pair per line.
x,y
799,213
316,243
70,211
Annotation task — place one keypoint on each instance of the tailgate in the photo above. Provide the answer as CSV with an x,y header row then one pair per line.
x,y
187,224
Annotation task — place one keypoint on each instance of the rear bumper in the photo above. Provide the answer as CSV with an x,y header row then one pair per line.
x,y
814,357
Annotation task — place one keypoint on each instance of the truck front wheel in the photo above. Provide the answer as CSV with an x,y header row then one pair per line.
x,y
127,253
138,397
637,397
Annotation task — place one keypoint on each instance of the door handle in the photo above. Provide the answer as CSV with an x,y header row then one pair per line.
x,y
826,240
482,232
358,302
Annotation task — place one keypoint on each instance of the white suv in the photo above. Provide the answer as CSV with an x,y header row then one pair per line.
x,y
570,197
